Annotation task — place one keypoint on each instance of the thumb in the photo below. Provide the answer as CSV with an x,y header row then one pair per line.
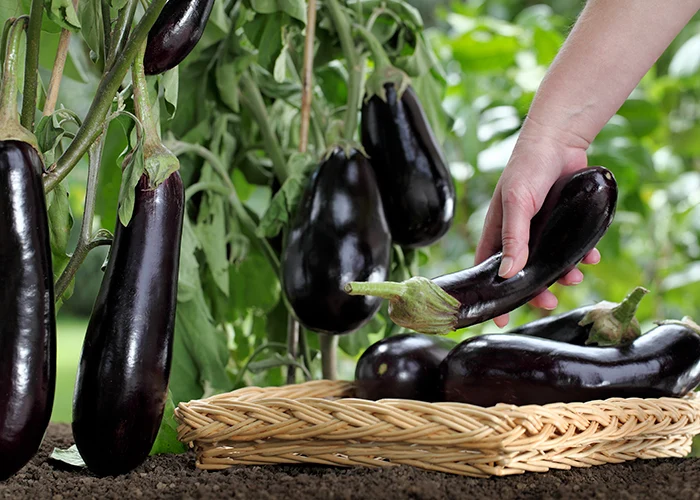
x,y
519,207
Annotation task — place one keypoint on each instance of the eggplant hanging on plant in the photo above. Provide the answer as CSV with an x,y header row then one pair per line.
x,y
575,215
122,382
605,323
405,366
338,234
417,189
28,324
175,33
522,370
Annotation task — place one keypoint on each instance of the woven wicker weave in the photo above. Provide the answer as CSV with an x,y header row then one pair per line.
x,y
320,422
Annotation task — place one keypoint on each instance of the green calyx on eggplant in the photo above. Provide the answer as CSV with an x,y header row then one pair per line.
x,y
404,366
417,189
339,234
605,323
522,370
175,34
28,325
575,215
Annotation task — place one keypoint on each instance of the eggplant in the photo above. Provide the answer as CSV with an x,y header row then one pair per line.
x,y
416,186
175,34
405,366
521,370
575,215
28,326
605,323
122,382
338,234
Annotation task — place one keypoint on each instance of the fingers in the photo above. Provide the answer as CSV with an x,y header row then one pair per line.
x,y
490,241
593,257
501,321
519,206
546,300
573,277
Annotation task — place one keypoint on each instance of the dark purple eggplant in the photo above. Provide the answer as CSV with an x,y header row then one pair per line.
x,y
575,215
339,234
521,370
28,325
605,323
175,33
405,366
416,186
122,381
27,319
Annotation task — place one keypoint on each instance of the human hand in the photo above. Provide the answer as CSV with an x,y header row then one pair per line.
x,y
541,156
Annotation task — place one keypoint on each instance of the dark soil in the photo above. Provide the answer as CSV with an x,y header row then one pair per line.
x,y
176,477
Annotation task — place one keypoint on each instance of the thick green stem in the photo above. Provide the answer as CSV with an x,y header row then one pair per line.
x,y
379,56
253,100
142,106
31,65
385,289
614,324
247,222
106,26
355,66
109,85
120,34
3,41
625,312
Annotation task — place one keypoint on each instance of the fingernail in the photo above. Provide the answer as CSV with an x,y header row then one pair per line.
x,y
506,266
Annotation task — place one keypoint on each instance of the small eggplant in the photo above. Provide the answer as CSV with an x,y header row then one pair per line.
x,y
175,33
575,215
122,381
605,323
339,234
521,370
416,187
405,366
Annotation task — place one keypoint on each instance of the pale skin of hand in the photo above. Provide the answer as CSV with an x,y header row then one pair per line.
x,y
611,47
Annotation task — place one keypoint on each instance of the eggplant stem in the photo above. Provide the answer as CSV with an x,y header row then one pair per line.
x,y
625,311
687,321
386,289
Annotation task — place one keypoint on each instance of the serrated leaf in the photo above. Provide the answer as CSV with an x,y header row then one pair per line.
x,y
62,13
166,441
60,225
70,456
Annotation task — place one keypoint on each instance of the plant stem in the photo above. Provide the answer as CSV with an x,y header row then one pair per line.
x,y
253,100
249,226
355,66
304,346
109,85
31,65
329,356
3,41
381,59
292,343
8,90
86,242
57,71
121,32
106,26
142,106
307,78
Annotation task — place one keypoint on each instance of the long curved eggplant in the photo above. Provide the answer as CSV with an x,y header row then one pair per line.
x,y
339,234
575,215
28,325
122,381
605,323
405,366
520,370
175,33
417,189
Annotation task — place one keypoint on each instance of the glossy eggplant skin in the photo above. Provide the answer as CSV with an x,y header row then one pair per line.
x,y
562,327
417,189
522,370
175,33
124,368
405,366
575,215
28,324
339,234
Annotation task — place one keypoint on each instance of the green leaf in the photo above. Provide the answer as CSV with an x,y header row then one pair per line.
x,y
60,225
431,92
254,286
643,116
482,50
211,232
70,456
166,441
118,4
133,168
295,8
547,45
265,33
62,13
354,343
52,130
189,282
169,82
90,15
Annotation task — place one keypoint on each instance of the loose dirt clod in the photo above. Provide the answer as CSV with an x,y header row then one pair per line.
x,y
176,477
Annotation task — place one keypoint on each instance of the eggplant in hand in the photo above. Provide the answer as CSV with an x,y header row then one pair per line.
x,y
404,366
522,370
575,215
339,234
416,187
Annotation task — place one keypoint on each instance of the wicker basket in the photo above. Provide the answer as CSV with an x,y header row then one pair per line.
x,y
321,423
